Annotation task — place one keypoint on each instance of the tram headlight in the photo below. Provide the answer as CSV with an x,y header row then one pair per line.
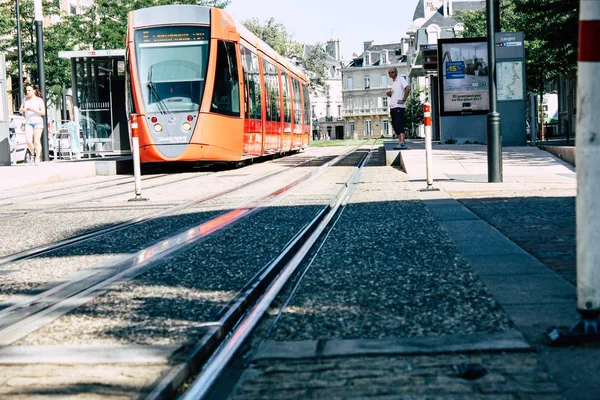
x,y
186,126
158,128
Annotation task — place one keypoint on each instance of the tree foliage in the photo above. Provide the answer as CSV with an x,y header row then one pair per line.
x,y
275,35
103,25
550,28
316,67
414,114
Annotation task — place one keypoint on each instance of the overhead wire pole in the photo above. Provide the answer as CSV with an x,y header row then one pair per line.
x,y
588,189
19,55
39,35
494,132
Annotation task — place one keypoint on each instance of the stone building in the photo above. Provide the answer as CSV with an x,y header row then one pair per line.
x,y
365,81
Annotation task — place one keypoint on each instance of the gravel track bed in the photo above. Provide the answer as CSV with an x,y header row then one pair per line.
x,y
170,303
66,186
384,273
22,233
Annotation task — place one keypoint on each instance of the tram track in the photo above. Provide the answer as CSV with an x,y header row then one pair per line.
x,y
242,315
184,357
27,313
76,190
51,247
104,197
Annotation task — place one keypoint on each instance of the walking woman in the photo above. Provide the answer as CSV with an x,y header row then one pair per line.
x,y
34,110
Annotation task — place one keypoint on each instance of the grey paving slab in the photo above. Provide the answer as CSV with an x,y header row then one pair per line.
x,y
507,264
450,212
288,349
476,237
500,341
529,289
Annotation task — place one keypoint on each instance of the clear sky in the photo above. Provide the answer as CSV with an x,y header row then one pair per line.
x,y
351,21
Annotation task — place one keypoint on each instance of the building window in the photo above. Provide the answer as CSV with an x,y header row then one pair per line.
x,y
351,127
384,81
367,59
72,9
384,102
367,82
385,127
384,59
368,128
339,111
328,111
350,83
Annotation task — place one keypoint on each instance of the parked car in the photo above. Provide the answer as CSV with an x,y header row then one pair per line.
x,y
17,141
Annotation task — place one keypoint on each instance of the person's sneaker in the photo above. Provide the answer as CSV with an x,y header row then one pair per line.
x,y
397,147
403,146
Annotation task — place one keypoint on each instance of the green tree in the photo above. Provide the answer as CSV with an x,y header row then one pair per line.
x,y
551,32
316,67
101,26
550,28
275,35
414,114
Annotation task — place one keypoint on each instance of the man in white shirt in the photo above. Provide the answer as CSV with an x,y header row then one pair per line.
x,y
398,94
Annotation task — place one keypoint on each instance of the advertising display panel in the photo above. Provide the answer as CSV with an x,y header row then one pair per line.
x,y
464,76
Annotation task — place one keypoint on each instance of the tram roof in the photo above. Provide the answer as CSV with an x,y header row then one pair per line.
x,y
250,37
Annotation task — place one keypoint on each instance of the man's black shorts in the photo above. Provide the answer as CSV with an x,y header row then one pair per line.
x,y
398,119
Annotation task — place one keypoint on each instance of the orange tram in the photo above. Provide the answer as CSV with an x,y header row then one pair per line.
x,y
204,88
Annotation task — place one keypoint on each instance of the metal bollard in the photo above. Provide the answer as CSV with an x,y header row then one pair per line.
x,y
588,190
135,150
428,155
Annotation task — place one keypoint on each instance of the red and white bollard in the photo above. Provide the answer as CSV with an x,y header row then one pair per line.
x,y
428,155
135,151
588,190
588,160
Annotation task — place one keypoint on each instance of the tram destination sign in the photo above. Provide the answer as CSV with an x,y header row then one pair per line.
x,y
169,34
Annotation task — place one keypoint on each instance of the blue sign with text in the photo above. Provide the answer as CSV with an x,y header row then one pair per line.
x,y
455,70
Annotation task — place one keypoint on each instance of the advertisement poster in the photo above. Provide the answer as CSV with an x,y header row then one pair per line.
x,y
465,76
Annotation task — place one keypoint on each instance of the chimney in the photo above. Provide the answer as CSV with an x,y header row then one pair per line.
x,y
367,44
333,49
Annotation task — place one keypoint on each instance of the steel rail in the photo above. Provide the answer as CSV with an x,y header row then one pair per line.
x,y
29,313
286,264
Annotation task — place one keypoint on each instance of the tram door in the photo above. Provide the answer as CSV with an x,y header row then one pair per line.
x,y
120,131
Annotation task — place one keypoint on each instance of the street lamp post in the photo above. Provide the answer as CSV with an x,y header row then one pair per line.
x,y
494,132
39,34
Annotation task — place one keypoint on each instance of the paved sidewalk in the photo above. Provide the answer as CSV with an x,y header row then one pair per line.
x,y
519,236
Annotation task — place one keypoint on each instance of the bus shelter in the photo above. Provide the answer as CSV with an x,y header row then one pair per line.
x,y
98,100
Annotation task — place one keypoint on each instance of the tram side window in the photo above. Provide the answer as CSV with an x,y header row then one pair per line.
x,y
251,84
306,105
226,97
287,112
297,101
272,92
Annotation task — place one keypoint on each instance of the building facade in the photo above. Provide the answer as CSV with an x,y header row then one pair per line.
x,y
327,106
365,81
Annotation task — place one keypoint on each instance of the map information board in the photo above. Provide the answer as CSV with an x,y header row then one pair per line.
x,y
509,78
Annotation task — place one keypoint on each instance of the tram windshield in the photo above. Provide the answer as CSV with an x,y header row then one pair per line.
x,y
172,63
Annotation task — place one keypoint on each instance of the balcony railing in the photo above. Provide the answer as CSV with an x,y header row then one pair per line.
x,y
357,112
